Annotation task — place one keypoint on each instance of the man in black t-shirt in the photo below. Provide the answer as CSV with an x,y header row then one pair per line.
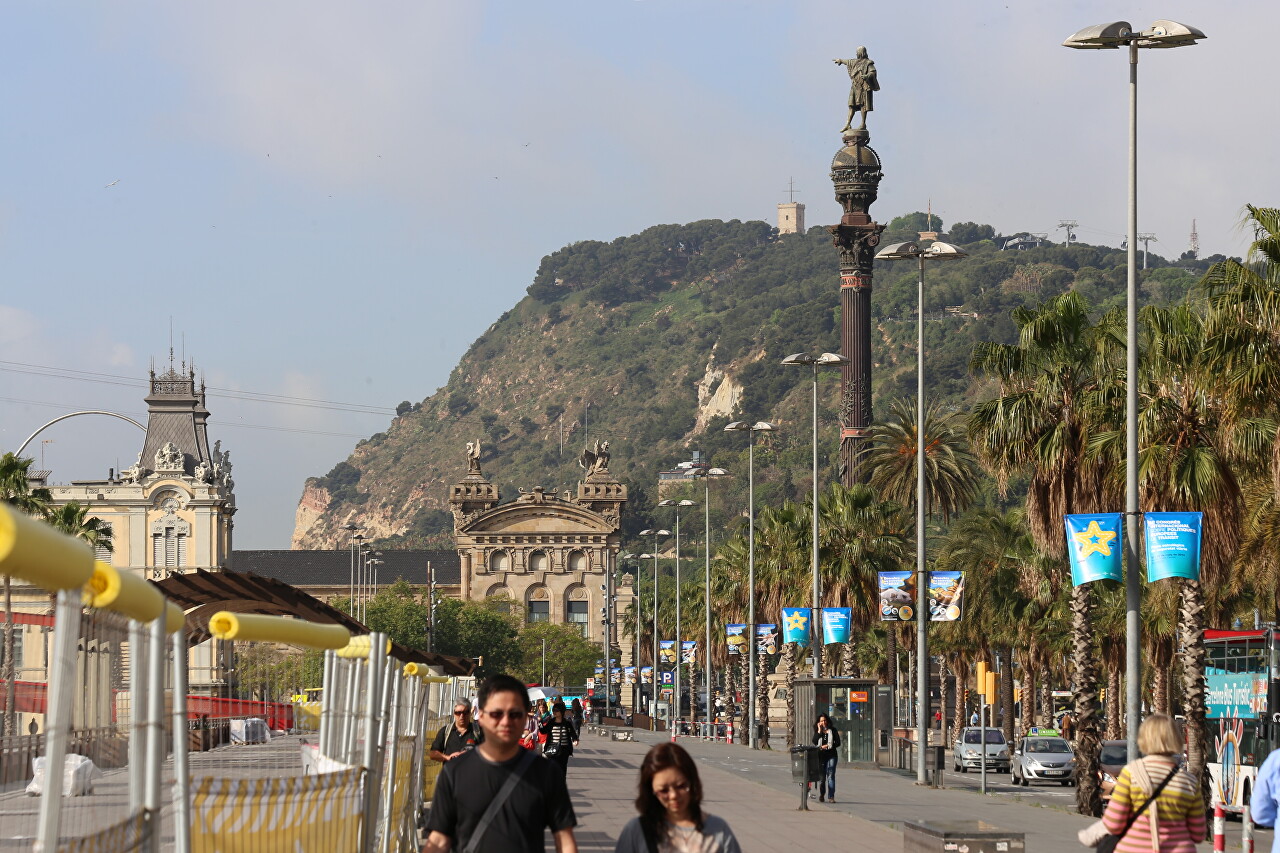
x,y
457,737
469,783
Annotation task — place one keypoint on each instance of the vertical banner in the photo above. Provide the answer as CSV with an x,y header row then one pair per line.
x,y
689,652
667,652
616,674
897,596
737,637
1173,545
599,673
836,622
1093,543
646,675
946,596
795,625
766,639
629,675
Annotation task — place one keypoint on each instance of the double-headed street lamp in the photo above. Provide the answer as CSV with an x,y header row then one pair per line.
x,y
635,598
679,637
706,474
352,528
827,359
657,669
1162,34
936,251
751,429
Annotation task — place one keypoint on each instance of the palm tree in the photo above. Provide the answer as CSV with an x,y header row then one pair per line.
x,y
73,519
1050,385
951,472
15,490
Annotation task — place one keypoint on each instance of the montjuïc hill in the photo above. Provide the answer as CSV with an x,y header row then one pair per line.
x,y
655,341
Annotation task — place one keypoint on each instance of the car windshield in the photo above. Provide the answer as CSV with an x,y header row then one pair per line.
x,y
975,736
1053,745
1114,755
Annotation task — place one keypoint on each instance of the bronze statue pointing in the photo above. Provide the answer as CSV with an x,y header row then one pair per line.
x,y
862,83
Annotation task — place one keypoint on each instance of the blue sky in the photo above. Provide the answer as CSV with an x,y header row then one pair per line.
x,y
332,200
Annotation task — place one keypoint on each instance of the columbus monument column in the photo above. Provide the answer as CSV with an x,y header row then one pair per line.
x,y
855,172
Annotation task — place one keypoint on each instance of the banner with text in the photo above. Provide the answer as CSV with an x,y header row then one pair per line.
x,y
629,674
737,635
667,652
795,625
836,622
1173,545
689,652
1093,543
766,639
646,675
946,591
897,596
617,675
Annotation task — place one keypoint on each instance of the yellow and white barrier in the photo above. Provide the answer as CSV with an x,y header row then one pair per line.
x,y
254,627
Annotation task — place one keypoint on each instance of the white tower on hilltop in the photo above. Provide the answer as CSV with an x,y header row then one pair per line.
x,y
791,214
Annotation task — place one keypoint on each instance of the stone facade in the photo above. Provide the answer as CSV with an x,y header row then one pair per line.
x,y
791,218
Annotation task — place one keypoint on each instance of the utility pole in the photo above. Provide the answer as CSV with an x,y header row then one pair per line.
x,y
431,604
1069,225
1145,238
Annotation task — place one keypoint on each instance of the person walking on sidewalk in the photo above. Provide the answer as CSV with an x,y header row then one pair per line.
x,y
457,737
670,804
499,798
1263,801
1175,819
560,737
827,740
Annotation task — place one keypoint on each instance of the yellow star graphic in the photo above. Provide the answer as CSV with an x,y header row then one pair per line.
x,y
1094,540
797,622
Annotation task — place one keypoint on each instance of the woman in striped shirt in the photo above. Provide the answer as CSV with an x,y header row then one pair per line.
x,y
1175,822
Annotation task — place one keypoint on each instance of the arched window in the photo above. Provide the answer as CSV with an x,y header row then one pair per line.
x,y
539,604
578,562
577,609
538,561
499,561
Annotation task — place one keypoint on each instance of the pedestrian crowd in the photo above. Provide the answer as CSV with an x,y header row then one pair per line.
x,y
503,785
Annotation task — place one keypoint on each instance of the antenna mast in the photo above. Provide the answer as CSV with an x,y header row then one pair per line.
x,y
1195,241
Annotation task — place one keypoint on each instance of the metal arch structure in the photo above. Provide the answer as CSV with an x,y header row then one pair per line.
x,y
31,437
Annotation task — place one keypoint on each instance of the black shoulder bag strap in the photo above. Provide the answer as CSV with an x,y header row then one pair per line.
x,y
500,799
1134,817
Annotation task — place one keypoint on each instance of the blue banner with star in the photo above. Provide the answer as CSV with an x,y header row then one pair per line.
x,y
1094,545
1173,545
795,625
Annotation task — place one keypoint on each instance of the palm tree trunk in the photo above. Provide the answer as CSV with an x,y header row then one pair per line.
x,y
1088,796
848,661
1114,693
1006,692
762,701
1046,697
943,694
891,662
1028,695
790,659
1160,689
958,719
1191,631
10,716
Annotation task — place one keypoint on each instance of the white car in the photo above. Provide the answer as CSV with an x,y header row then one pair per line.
x,y
1044,759
968,751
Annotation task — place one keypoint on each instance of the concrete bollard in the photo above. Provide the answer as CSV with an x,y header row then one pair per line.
x,y
1246,831
1219,829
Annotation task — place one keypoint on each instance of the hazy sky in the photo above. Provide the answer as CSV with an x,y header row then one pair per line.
x,y
332,200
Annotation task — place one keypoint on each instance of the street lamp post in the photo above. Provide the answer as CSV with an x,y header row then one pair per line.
x,y
815,629
355,537
371,565
936,251
751,429
679,636
706,474
635,655
1162,34
657,669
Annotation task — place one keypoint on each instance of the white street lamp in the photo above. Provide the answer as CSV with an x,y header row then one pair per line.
x,y
827,359
1162,34
936,251
679,636
657,669
751,429
706,474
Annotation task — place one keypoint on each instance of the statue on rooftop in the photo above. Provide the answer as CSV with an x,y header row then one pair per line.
x,y
473,457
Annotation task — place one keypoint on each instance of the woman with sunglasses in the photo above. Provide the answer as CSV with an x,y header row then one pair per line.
x,y
670,804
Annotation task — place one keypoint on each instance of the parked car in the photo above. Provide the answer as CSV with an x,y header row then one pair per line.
x,y
969,750
1111,760
1044,759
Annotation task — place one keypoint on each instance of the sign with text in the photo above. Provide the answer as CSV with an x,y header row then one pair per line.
x,y
689,652
766,639
946,592
737,638
1093,543
667,652
795,625
836,622
1173,545
897,596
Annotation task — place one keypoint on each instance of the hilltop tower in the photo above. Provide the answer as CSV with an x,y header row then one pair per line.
x,y
791,218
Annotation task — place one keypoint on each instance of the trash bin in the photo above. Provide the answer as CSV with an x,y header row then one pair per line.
x,y
805,766
976,836
939,757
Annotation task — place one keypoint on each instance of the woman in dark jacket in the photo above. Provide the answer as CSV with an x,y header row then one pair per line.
x,y
827,739
560,737
575,715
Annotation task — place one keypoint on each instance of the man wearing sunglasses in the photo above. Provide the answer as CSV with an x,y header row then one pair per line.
x,y
457,737
498,797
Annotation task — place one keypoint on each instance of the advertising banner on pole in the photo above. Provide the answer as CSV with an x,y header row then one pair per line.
x,y
629,674
689,652
600,673
946,594
897,596
616,674
1094,545
667,652
737,635
1173,545
766,639
835,624
646,675
795,625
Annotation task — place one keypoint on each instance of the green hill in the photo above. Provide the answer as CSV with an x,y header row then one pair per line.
x,y
656,340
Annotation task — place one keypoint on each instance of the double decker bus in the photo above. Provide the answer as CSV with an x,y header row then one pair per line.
x,y
1242,709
